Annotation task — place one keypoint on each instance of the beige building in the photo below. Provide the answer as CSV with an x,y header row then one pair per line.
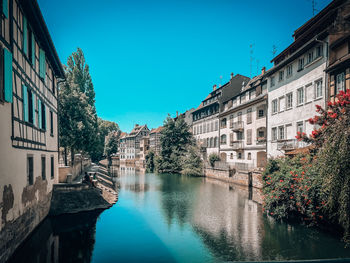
x,y
243,125
28,113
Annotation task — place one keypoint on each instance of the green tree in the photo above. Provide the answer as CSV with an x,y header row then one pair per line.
x,y
104,128
213,157
176,141
78,126
150,161
111,145
191,162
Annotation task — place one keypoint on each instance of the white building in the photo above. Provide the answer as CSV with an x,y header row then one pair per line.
x,y
243,125
296,84
130,143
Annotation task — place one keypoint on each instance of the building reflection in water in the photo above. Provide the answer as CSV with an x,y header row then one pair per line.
x,y
68,238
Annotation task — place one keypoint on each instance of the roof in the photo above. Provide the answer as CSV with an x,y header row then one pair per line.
x,y
123,134
233,87
137,130
157,130
304,150
310,29
36,19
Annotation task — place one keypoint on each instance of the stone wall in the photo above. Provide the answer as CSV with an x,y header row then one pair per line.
x,y
80,165
232,176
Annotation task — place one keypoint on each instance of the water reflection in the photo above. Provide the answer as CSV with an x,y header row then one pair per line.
x,y
172,218
68,238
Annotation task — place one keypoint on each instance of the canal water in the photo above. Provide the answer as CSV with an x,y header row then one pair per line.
x,y
173,218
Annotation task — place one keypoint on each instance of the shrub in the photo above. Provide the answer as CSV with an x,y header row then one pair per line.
x,y
192,163
213,157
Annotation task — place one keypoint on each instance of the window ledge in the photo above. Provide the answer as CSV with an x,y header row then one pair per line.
x,y
308,102
300,105
314,61
319,98
289,108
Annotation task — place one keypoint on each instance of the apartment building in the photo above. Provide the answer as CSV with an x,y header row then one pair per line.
x,y
130,143
297,83
205,126
243,125
30,70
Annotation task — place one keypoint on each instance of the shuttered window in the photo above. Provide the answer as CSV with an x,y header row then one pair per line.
x,y
33,50
25,36
25,103
43,116
42,62
8,75
33,109
249,136
5,8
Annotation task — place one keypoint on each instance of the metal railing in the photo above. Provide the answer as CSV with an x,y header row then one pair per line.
x,y
237,126
290,144
236,145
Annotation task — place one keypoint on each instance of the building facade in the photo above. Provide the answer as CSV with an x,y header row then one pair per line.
x,y
243,126
130,143
28,110
296,84
154,140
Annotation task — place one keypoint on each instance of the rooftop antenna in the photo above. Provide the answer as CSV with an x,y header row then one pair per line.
x,y
314,10
251,46
220,81
274,51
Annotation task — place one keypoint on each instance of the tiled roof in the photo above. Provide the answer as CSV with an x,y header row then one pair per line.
x,y
157,130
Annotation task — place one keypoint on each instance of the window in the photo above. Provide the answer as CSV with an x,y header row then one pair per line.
x,y
216,125
319,51
200,129
212,126
30,169
261,113
43,167
231,155
42,64
239,136
53,84
249,116
310,57
274,106
300,127
340,83
272,83
240,155
318,89
289,97
309,93
52,168
289,70
249,156
223,123
274,134
281,133
223,139
261,133
239,115
281,104
242,98
281,75
249,136
204,128
51,123
301,64
300,96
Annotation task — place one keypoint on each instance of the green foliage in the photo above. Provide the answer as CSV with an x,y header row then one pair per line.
x,y
150,161
192,163
104,128
111,144
213,157
177,154
323,193
292,189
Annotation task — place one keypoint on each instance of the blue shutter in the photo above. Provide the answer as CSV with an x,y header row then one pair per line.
x,y
5,8
33,108
8,75
25,103
33,50
39,115
25,35
42,64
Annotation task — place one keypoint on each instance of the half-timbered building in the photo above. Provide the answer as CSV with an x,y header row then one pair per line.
x,y
29,72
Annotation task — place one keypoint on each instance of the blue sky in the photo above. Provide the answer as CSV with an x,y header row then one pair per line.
x,y
149,58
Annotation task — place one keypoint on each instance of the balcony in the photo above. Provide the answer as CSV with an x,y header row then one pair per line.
x,y
291,144
260,140
237,145
237,126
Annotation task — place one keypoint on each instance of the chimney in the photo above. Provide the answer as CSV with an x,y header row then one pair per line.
x,y
232,75
263,70
177,114
214,87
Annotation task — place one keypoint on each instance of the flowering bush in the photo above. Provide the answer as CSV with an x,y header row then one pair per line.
x,y
292,189
316,187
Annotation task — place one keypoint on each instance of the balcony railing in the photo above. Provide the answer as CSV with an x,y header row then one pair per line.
x,y
260,140
290,144
237,126
237,145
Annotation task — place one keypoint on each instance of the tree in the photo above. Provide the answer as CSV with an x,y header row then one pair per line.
x,y
104,128
213,157
176,142
111,145
150,161
77,113
191,162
